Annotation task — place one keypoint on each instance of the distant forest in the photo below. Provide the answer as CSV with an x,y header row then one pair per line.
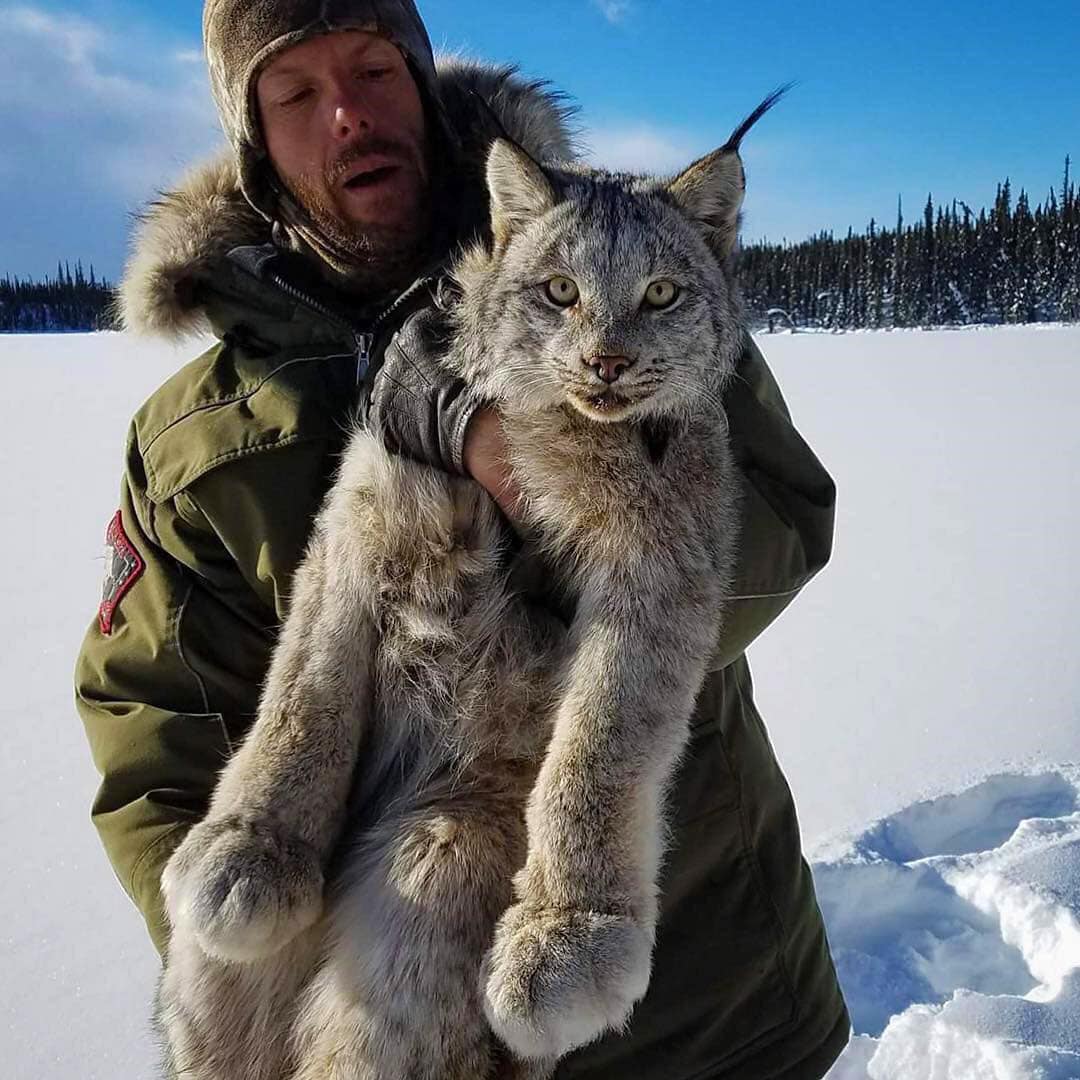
x,y
67,302
953,266
1006,264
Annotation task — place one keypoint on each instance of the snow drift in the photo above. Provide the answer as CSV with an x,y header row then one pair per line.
x,y
955,926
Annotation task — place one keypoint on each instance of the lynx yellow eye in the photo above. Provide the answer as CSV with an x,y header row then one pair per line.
x,y
562,291
661,294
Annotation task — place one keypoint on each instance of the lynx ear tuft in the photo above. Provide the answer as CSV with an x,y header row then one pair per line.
x,y
519,189
710,192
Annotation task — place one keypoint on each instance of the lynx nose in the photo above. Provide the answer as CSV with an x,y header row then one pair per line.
x,y
609,368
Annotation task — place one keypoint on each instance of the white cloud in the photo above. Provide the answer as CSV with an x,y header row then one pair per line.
x,y
640,148
614,10
72,36
72,48
96,114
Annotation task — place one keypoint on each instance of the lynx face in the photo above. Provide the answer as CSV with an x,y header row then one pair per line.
x,y
606,292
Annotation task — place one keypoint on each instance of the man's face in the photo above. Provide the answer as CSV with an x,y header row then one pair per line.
x,y
344,127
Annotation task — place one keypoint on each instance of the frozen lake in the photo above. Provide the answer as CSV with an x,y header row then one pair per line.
x,y
936,649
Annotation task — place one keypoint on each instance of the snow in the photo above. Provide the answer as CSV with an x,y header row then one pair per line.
x,y
939,645
955,926
922,697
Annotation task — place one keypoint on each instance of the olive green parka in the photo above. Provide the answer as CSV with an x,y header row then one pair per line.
x,y
226,465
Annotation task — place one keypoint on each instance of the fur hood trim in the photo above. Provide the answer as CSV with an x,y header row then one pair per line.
x,y
181,237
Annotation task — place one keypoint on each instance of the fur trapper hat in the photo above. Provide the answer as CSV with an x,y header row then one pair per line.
x,y
242,36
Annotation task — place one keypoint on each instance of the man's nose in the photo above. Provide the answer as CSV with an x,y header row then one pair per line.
x,y
352,114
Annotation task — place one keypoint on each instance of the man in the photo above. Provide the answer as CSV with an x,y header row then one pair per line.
x,y
311,253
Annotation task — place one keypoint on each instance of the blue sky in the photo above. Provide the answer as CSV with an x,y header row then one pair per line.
x,y
104,102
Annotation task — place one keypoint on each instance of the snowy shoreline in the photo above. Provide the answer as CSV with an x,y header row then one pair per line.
x,y
765,335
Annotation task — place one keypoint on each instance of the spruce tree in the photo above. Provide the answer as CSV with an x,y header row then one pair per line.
x,y
1006,263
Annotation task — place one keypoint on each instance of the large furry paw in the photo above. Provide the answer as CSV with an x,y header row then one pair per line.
x,y
556,979
244,888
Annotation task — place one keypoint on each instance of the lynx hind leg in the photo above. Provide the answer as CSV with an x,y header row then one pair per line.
x,y
398,996
221,1020
420,534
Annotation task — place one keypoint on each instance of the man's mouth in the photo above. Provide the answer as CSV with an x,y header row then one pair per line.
x,y
369,177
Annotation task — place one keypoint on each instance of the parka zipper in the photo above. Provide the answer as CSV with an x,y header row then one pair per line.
x,y
363,354
364,340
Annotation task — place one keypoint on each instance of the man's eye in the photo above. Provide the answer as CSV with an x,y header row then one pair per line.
x,y
376,73
294,99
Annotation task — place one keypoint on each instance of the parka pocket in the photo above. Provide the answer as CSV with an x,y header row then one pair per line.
x,y
705,782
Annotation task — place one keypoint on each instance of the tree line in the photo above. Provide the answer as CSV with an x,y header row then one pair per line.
x,y
952,266
67,302
1006,264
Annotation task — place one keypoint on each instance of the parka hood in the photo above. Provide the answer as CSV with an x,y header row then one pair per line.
x,y
182,240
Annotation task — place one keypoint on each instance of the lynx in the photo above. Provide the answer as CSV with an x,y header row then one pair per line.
x,y
436,855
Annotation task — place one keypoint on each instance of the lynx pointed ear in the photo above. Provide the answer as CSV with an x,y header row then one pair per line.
x,y
710,192
518,188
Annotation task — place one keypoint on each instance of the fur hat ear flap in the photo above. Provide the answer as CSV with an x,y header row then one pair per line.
x,y
710,192
520,190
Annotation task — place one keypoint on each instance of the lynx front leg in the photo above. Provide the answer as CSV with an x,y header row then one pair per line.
x,y
573,955
250,877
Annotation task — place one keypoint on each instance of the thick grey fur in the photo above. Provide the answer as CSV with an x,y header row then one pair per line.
x,y
488,878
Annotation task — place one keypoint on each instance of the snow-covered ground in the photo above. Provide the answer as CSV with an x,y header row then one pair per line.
x,y
955,925
927,683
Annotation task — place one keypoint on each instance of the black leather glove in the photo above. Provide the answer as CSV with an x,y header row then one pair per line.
x,y
416,406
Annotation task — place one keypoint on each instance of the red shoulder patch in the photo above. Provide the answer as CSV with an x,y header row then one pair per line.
x,y
123,566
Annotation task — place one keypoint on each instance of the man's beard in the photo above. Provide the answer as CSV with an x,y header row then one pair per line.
x,y
376,256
